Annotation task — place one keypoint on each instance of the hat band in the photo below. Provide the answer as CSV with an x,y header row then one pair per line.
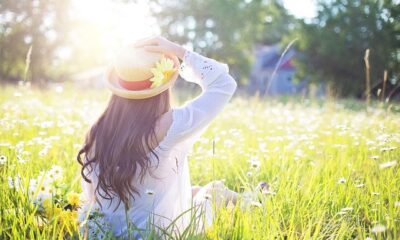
x,y
136,85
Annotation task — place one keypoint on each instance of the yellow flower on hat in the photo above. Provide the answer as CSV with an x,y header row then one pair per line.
x,y
162,72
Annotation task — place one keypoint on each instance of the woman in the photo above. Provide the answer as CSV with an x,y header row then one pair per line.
x,y
138,149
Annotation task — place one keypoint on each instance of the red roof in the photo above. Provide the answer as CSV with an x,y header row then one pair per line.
x,y
288,64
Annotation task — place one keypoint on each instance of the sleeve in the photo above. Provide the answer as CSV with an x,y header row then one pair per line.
x,y
217,89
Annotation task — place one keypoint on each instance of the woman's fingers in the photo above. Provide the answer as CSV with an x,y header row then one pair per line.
x,y
146,42
156,49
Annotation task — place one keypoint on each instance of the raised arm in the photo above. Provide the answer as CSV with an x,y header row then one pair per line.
x,y
217,89
212,76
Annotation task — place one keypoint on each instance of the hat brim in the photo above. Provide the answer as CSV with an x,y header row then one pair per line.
x,y
117,89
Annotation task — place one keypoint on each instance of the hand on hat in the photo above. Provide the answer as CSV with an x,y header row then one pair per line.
x,y
161,45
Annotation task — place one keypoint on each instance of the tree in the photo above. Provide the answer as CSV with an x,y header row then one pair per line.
x,y
226,30
334,44
39,24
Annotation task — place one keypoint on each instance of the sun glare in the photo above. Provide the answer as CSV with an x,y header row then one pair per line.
x,y
115,23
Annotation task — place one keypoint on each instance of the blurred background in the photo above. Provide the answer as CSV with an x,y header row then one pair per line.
x,y
274,47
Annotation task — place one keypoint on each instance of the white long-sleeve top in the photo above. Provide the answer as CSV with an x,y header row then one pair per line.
x,y
164,198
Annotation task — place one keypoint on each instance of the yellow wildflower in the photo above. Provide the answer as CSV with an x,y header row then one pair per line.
x,y
50,209
73,198
68,219
47,205
64,217
162,72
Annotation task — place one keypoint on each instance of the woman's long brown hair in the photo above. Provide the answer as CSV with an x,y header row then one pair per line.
x,y
121,139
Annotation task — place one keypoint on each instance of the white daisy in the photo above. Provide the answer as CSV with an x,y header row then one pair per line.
x,y
342,180
255,204
378,228
388,164
255,162
3,159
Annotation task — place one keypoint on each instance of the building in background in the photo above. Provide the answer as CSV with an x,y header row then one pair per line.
x,y
263,79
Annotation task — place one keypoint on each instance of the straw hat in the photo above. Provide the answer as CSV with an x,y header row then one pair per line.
x,y
132,73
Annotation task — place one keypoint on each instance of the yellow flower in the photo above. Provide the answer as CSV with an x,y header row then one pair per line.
x,y
162,72
50,209
64,217
73,198
57,211
68,219
47,204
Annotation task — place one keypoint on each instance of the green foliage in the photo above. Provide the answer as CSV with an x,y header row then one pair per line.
x,y
335,42
331,47
334,172
226,30
40,24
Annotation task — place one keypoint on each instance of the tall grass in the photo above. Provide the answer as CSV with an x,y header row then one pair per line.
x,y
333,171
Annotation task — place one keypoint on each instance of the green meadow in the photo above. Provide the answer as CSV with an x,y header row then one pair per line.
x,y
332,166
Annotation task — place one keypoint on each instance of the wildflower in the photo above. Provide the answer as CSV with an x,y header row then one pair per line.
x,y
262,146
397,204
378,228
3,159
50,209
10,182
20,159
31,193
54,174
361,185
73,199
255,204
32,182
149,192
162,72
255,162
299,153
268,192
43,152
313,163
59,89
47,204
387,149
375,193
387,164
342,180
56,169
264,188
229,143
68,218
14,183
5,144
347,209
42,195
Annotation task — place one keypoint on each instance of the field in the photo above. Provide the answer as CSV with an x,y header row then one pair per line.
x,y
333,170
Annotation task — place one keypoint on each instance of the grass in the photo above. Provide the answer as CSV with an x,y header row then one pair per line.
x,y
333,168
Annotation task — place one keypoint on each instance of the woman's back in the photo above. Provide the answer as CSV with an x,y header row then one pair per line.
x,y
165,191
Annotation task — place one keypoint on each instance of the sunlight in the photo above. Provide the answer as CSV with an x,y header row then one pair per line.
x,y
301,8
114,23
